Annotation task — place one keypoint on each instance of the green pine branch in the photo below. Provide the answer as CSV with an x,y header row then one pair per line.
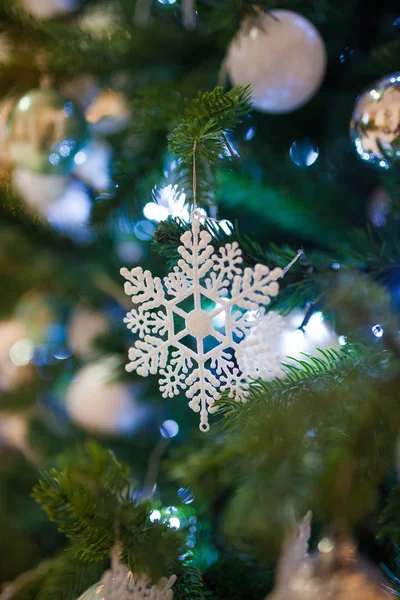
x,y
200,142
329,367
90,497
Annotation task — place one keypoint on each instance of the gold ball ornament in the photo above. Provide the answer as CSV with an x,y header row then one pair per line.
x,y
375,124
282,56
334,572
45,132
337,572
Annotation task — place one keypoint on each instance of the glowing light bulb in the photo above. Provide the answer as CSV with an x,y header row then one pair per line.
x,y
174,522
226,226
169,429
24,103
155,212
21,353
304,153
169,201
80,158
326,545
377,330
293,342
155,515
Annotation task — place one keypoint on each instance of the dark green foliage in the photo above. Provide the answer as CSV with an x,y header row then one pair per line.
x,y
390,517
23,524
69,577
189,583
91,498
236,578
226,109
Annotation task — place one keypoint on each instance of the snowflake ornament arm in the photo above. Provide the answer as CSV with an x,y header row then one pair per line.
x,y
118,583
201,357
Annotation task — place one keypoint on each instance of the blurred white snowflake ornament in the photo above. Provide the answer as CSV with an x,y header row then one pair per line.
x,y
118,583
204,328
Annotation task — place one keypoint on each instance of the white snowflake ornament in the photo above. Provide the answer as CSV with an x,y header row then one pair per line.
x,y
204,328
118,583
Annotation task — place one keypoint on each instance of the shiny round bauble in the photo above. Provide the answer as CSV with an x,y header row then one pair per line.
x,y
334,572
375,124
282,56
100,403
85,326
94,592
303,153
119,584
45,132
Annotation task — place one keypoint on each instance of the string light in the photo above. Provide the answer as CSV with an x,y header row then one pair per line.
x,y
377,330
144,230
155,515
169,429
21,353
174,522
169,201
304,153
326,545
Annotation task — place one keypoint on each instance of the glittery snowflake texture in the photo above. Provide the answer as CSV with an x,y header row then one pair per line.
x,y
118,583
204,328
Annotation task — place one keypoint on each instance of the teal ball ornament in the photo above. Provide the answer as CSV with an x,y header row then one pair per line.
x,y
45,132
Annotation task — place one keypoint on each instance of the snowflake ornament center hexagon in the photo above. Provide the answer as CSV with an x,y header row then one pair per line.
x,y
199,323
204,327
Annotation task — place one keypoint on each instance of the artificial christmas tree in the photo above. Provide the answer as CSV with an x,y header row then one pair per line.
x,y
212,207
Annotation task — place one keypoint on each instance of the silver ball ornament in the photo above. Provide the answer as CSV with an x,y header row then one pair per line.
x,y
375,124
335,571
45,132
282,56
101,404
